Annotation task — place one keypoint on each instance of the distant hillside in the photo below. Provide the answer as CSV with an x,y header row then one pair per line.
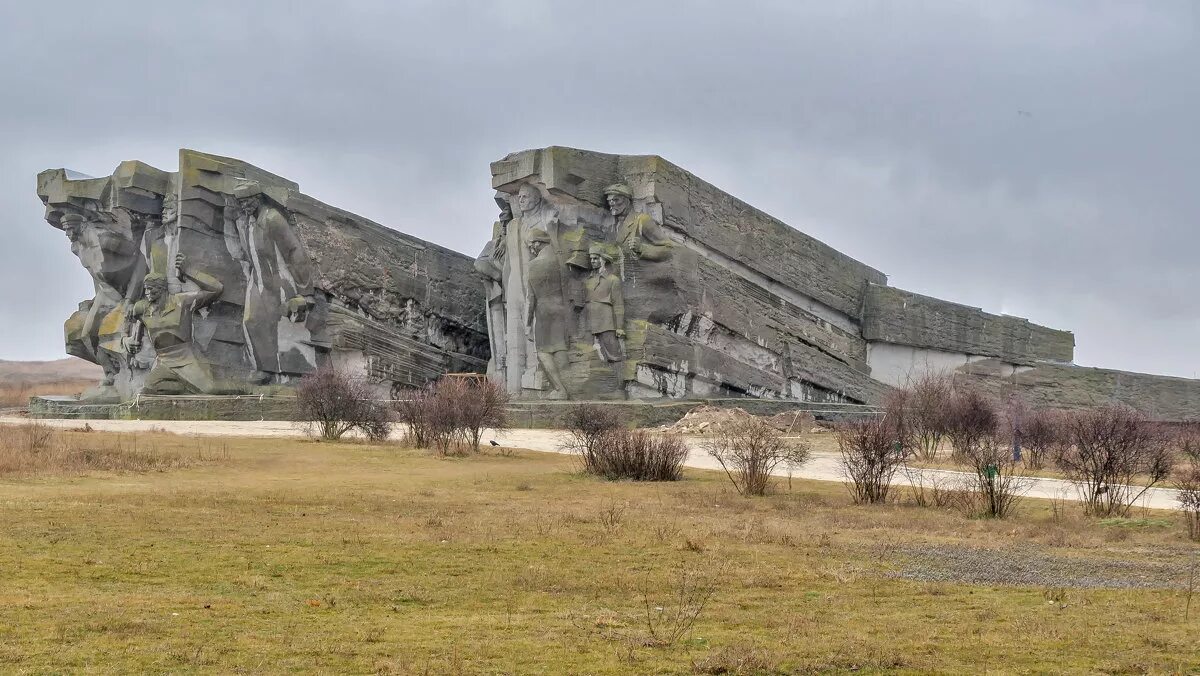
x,y
70,369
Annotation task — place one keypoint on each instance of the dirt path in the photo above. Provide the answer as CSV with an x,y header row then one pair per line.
x,y
823,466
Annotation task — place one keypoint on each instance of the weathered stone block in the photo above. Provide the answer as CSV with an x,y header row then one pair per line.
x,y
905,318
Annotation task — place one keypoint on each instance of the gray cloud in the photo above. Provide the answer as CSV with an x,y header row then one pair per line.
x,y
890,131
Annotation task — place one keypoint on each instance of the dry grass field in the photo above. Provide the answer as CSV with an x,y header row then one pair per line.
x,y
18,394
20,380
278,555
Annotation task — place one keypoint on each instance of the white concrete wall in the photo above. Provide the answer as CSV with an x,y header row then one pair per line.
x,y
898,365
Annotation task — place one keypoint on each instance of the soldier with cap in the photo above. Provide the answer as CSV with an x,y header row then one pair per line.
x,y
604,309
638,233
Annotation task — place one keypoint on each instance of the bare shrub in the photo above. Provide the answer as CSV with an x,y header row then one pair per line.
x,y
479,404
414,412
586,424
1186,444
934,488
750,450
928,400
1110,448
872,450
671,611
1013,416
441,416
330,403
1042,436
376,423
637,455
970,419
998,481
451,414
1187,482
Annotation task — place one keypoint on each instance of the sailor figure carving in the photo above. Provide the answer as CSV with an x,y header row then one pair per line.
x,y
166,319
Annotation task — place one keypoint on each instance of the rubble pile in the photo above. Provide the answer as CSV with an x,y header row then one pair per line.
x,y
709,419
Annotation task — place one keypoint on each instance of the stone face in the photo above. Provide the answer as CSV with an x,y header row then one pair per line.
x,y
224,278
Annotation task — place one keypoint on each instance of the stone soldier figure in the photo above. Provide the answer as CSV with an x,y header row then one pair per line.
x,y
638,233
604,309
491,263
279,285
111,257
167,321
160,238
532,212
547,310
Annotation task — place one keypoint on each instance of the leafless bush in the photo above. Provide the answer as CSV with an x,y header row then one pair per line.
x,y
1186,444
331,403
933,488
670,613
441,417
451,414
478,404
749,450
998,482
669,610
1042,437
970,419
637,455
1187,482
414,412
376,424
586,424
872,451
928,400
1109,449
1013,415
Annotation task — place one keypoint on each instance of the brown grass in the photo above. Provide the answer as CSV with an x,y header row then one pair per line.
x,y
18,393
35,449
297,556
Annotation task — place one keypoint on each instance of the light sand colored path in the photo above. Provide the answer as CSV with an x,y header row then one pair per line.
x,y
821,467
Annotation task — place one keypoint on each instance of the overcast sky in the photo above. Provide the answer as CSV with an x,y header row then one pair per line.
x,y
1035,158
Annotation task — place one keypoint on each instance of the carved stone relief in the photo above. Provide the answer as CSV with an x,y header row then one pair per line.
x,y
273,283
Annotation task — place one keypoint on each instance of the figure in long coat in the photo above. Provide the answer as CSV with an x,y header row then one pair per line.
x,y
605,306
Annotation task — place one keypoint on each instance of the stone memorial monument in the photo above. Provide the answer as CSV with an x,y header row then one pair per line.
x,y
222,278
606,277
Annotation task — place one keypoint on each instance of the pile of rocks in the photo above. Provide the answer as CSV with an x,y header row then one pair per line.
x,y
709,419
